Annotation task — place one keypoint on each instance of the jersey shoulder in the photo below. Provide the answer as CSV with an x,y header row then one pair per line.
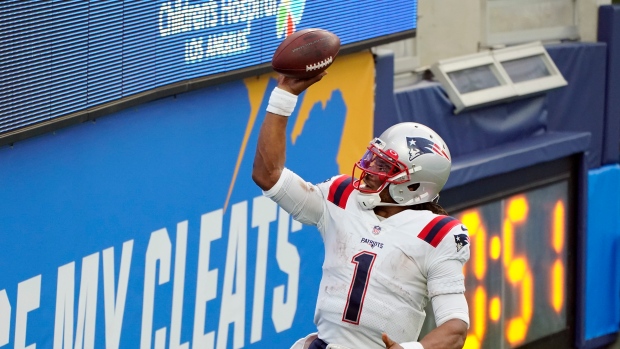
x,y
439,227
448,238
337,189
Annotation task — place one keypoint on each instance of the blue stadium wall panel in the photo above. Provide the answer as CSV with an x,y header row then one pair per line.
x,y
603,259
144,228
112,226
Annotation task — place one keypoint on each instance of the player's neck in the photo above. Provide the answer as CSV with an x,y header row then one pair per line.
x,y
388,211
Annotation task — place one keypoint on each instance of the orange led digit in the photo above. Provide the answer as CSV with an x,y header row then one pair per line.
x,y
478,326
496,248
557,286
558,226
480,305
518,271
471,342
495,309
518,209
477,234
557,271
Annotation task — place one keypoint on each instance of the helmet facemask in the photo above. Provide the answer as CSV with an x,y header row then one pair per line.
x,y
383,166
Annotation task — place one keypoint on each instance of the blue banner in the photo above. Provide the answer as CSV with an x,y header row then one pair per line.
x,y
60,57
144,228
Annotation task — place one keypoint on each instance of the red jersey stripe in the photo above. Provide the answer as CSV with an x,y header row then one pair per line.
x,y
424,233
443,231
437,229
345,195
340,190
334,187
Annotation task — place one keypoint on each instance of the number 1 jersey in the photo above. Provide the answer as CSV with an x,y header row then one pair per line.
x,y
378,274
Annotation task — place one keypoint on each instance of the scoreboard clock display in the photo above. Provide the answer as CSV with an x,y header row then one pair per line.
x,y
519,279
516,274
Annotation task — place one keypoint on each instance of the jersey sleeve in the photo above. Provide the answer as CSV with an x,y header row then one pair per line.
x,y
450,306
302,200
446,260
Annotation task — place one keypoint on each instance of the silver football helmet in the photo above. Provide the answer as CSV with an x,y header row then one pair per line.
x,y
411,159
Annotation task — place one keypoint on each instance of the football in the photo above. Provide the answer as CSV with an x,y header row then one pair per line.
x,y
306,53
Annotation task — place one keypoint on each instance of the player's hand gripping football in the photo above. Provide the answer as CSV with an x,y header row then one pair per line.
x,y
297,86
390,344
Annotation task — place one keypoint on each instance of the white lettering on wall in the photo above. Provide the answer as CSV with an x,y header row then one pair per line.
x,y
283,312
193,50
181,16
184,17
28,299
75,328
5,318
114,305
159,249
180,255
63,324
87,305
206,283
233,304
264,211
87,302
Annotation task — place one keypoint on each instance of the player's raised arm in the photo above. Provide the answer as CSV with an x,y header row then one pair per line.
x,y
271,147
301,60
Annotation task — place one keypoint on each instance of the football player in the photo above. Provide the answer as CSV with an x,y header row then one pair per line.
x,y
389,246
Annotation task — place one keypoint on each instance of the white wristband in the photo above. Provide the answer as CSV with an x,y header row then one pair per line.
x,y
411,345
281,102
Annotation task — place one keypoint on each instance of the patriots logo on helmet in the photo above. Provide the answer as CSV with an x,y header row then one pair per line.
x,y
461,240
418,146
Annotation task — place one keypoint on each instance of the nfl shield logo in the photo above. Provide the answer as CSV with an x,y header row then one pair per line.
x,y
376,230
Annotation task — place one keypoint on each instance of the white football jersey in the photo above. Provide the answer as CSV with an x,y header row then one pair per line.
x,y
378,275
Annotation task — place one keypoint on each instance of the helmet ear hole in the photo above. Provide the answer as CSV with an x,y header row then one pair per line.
x,y
413,187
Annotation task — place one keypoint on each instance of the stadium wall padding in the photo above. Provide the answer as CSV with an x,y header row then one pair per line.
x,y
144,228
580,106
385,104
516,155
486,128
609,33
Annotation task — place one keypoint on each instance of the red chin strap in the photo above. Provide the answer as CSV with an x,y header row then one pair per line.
x,y
379,164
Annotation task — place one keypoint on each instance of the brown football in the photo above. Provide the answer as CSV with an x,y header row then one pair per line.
x,y
306,53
